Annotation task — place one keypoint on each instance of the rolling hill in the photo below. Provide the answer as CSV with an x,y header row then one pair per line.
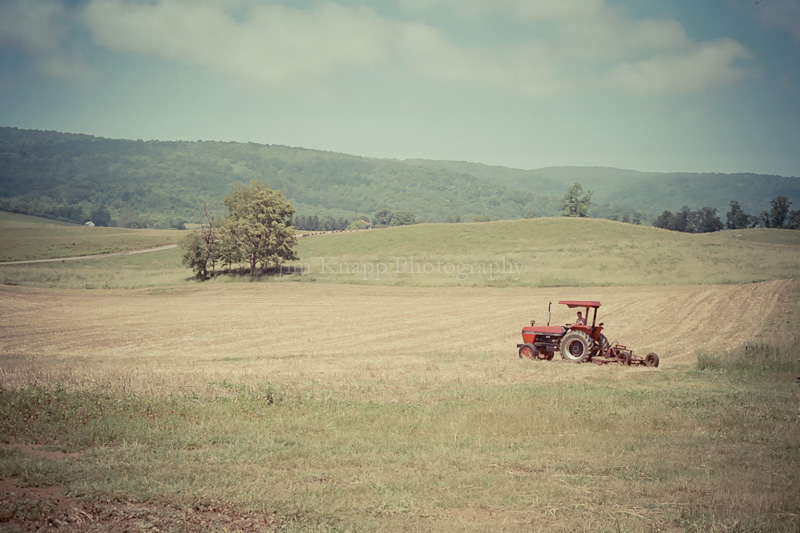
x,y
542,252
163,184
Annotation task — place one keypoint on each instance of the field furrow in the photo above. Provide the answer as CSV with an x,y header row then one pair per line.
x,y
297,332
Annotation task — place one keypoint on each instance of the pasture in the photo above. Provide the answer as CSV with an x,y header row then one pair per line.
x,y
25,237
323,402
548,252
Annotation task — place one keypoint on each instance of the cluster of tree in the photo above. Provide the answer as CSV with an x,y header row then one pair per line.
x,y
628,216
386,218
778,216
706,220
256,233
326,223
382,219
78,214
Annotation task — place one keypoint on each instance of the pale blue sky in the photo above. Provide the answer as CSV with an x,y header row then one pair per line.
x,y
653,85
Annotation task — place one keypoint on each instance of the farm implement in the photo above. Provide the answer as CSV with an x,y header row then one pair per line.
x,y
577,342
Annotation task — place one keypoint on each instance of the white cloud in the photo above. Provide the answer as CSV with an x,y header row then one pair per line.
x,y
579,43
653,56
270,44
699,68
41,31
782,14
524,70
530,10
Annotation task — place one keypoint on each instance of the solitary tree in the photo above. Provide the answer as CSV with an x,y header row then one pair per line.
x,y
575,202
259,221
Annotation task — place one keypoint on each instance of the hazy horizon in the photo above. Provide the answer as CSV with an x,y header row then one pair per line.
x,y
650,86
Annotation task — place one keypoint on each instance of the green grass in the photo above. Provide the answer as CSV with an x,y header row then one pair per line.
x,y
157,269
16,220
550,252
24,237
700,449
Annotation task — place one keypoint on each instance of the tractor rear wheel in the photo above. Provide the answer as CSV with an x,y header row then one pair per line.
x,y
651,359
526,352
576,346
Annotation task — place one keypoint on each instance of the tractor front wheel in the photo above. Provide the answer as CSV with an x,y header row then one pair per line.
x,y
526,352
576,346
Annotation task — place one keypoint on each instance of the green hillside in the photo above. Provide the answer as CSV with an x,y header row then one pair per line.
x,y
164,184
618,191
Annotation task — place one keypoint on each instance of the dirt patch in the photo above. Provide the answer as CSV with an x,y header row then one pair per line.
x,y
39,451
47,509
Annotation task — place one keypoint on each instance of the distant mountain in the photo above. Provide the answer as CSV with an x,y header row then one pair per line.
x,y
48,172
650,192
156,183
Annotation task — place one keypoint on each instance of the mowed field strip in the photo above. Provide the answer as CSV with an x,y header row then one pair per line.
x,y
294,332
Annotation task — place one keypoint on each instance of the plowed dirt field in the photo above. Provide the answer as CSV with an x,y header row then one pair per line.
x,y
293,332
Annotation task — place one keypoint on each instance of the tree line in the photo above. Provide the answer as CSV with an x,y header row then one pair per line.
x,y
705,219
381,219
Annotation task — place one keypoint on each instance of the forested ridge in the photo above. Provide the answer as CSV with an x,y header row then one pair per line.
x,y
166,183
618,190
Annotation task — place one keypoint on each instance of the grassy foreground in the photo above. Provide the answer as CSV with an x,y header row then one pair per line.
x,y
380,442
711,448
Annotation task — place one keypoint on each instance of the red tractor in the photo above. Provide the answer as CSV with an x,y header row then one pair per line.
x,y
577,342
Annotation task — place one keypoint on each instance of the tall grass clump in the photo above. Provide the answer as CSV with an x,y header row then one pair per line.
x,y
754,358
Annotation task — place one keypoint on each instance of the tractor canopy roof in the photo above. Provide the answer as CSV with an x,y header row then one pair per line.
x,y
580,303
